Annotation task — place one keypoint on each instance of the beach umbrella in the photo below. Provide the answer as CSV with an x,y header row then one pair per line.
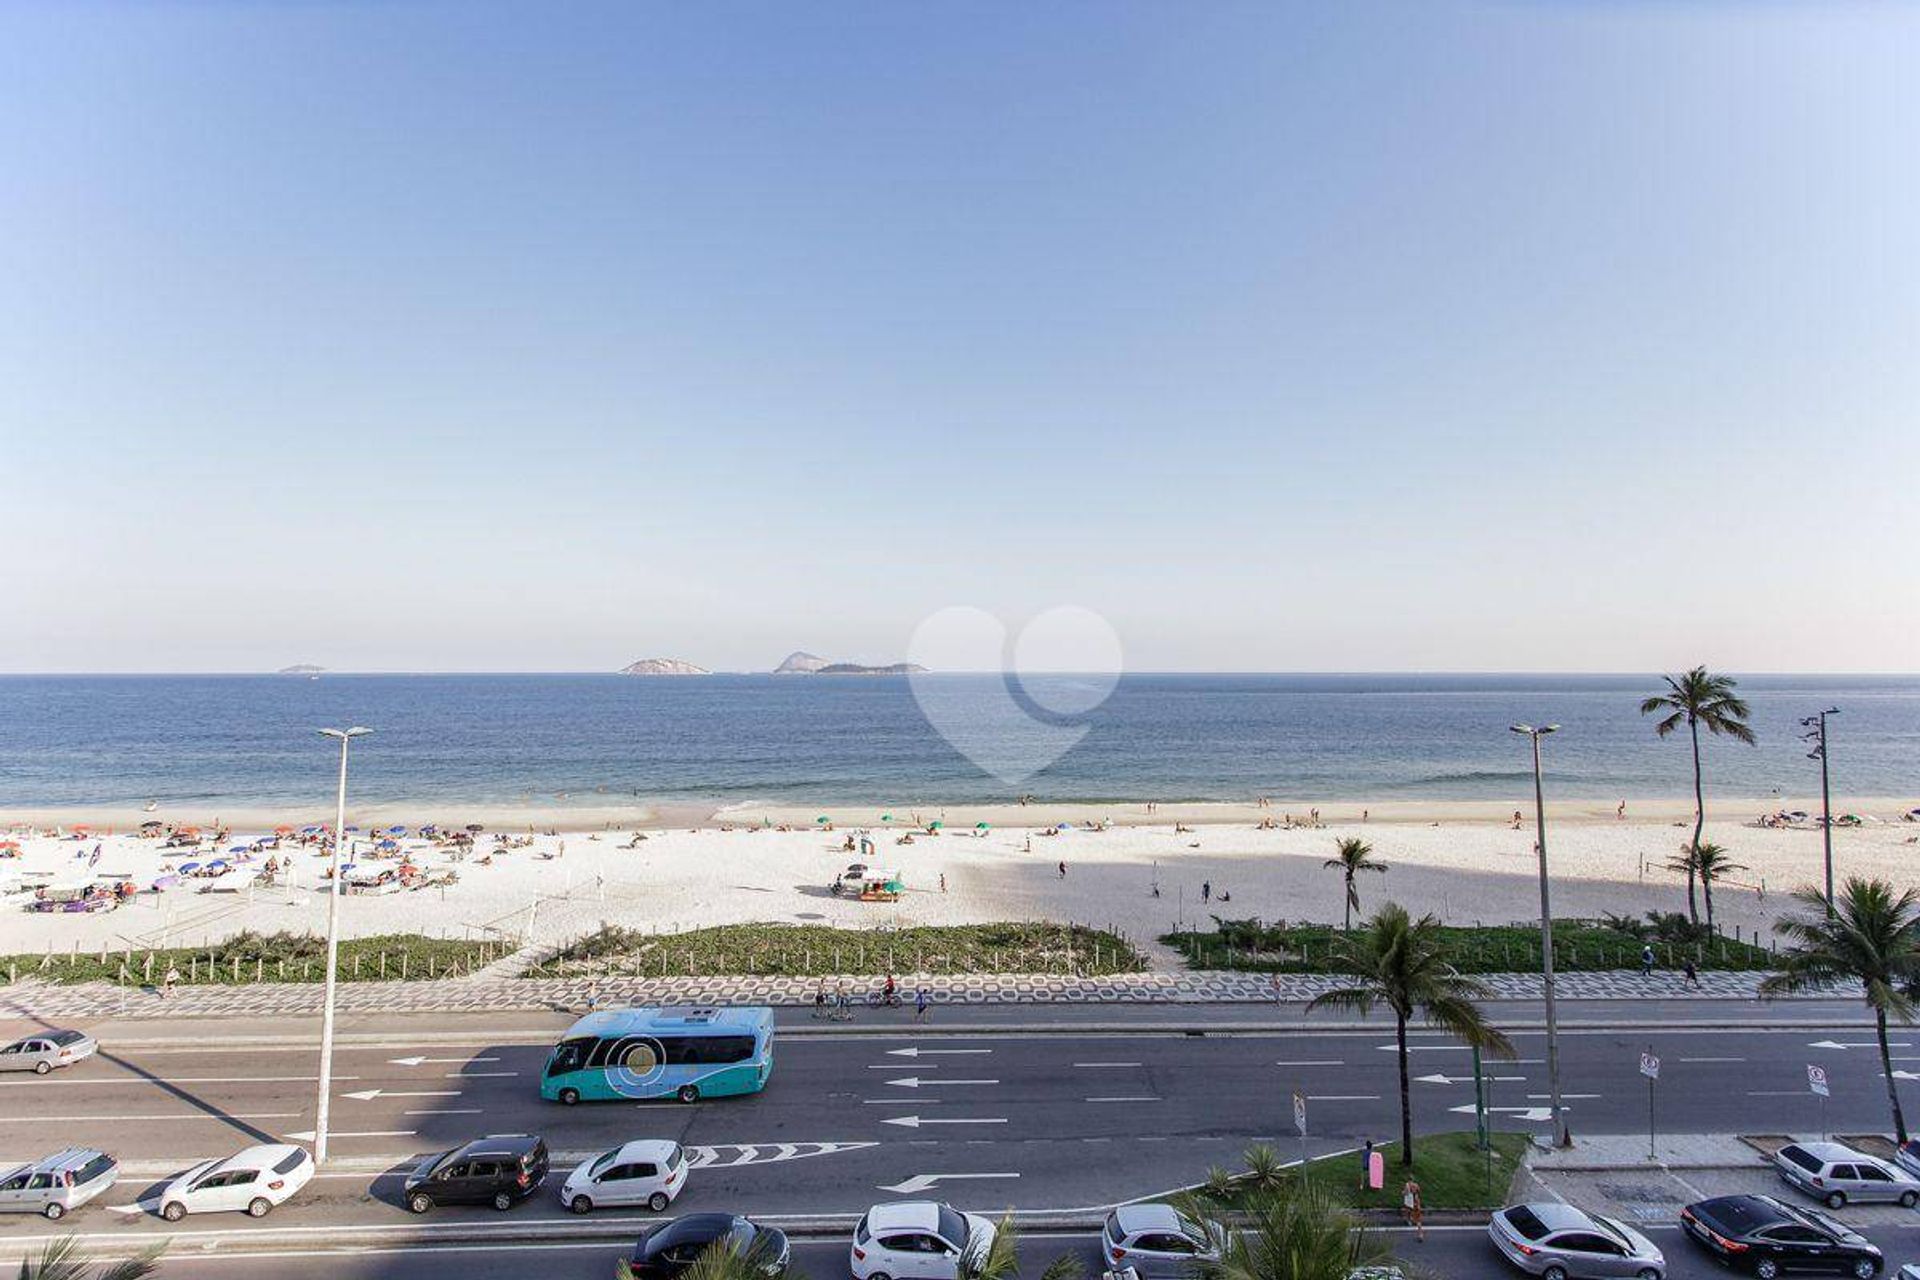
x,y
475,827
217,862
239,848
1065,826
886,817
981,826
396,831
935,826
283,830
309,831
189,866
823,818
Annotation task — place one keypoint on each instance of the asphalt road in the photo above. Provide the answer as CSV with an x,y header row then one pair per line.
x,y
1057,1118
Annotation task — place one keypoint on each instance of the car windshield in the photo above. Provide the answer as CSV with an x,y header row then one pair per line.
x,y
1613,1231
1191,1229
599,1165
953,1226
1833,1226
674,1157
740,1238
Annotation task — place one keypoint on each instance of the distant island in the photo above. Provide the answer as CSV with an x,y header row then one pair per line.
x,y
802,663
663,667
300,669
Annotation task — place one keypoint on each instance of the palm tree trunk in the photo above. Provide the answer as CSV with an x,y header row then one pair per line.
x,y
1886,1072
1699,815
1406,1094
1346,921
1706,891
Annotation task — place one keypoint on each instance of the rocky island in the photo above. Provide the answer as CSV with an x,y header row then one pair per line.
x,y
663,667
802,663
300,669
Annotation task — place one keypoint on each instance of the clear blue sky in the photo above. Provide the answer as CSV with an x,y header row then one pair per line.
x,y
1333,336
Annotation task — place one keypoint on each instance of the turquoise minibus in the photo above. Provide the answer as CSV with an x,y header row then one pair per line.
x,y
684,1053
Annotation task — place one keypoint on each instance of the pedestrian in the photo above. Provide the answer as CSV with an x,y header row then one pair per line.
x,y
920,1004
1415,1209
1063,869
1693,974
943,882
1366,1164
1206,891
1621,812
820,999
1273,983
167,982
1646,962
843,1008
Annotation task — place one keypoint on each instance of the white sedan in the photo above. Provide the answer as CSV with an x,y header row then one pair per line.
x,y
254,1180
917,1240
49,1049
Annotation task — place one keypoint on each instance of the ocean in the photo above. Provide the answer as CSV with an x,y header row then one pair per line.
x,y
555,740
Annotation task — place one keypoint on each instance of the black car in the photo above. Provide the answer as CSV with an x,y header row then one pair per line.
x,y
1768,1238
672,1247
501,1169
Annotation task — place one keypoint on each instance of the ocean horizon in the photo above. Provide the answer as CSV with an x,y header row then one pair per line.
x,y
592,739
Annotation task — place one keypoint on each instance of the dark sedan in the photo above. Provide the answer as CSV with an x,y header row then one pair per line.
x,y
671,1248
1768,1238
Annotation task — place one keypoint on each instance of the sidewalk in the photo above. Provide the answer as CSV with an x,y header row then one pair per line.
x,y
492,991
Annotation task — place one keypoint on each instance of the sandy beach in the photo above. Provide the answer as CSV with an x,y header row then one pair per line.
x,y
1464,862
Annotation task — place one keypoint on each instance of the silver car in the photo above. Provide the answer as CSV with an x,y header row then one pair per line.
x,y
1160,1243
58,1184
1838,1174
43,1052
1560,1242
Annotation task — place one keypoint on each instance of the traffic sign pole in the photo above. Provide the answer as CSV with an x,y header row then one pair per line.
x,y
1650,1068
1300,1123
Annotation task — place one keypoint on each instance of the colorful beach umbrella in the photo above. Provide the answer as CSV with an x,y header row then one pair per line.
x,y
823,818
981,826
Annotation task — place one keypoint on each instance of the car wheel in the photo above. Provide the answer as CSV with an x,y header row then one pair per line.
x,y
569,1097
173,1211
1648,1273
878,1275
502,1201
580,1205
259,1207
55,1212
1766,1269
1554,1272
689,1093
41,1067
1908,1200
1865,1268
1836,1199
657,1202
419,1203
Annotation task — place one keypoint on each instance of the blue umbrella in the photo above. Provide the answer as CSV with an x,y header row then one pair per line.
x,y
308,831
353,828
189,866
388,844
239,848
396,831
217,862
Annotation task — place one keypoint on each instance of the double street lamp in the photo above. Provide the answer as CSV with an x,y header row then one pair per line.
x,y
1561,1138
345,736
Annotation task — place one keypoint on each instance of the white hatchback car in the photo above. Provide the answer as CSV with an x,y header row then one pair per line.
x,y
254,1180
917,1240
651,1171
1159,1243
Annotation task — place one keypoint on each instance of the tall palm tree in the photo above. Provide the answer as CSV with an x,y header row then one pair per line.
x,y
1299,1236
1870,934
1355,856
61,1260
1699,699
1709,862
1399,963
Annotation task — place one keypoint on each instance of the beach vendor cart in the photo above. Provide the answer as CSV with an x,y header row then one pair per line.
x,y
881,886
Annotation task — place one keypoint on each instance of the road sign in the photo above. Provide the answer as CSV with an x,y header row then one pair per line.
x,y
1649,1066
1817,1079
1300,1112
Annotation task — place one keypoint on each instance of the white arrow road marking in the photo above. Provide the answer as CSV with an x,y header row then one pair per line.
x,y
1343,1097
368,1095
1106,1064
894,1066
1123,1099
1856,1044
193,1115
417,1060
914,1082
914,1122
766,1153
1440,1079
1905,1075
306,1135
1537,1114
1319,1062
900,1100
917,1052
926,1181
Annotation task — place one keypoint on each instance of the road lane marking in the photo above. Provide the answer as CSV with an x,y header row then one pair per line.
x,y
1105,1064
926,1181
914,1122
368,1095
306,1135
1445,1079
917,1052
914,1082
417,1061
1136,1099
1343,1097
1314,1062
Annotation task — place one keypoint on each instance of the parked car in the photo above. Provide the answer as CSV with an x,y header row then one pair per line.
x,y
650,1171
917,1240
1159,1243
501,1169
1907,1156
1836,1174
42,1052
254,1180
58,1184
1560,1242
1768,1238
672,1247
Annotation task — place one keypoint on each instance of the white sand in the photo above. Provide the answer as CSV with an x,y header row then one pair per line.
x,y
1460,862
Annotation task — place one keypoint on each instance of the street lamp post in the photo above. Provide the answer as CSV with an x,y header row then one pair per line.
x,y
333,943
1816,727
1561,1138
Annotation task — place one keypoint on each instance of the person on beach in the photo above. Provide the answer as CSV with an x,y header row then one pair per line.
x,y
1415,1209
943,882
1063,870
920,1004
1621,812
1206,891
1516,819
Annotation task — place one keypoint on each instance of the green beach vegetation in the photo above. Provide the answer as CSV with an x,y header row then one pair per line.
x,y
260,957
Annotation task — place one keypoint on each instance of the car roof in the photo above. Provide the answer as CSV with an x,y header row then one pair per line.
x,y
1830,1152
904,1215
655,1149
499,1144
1134,1218
1555,1216
71,1158
1745,1213
697,1228
260,1157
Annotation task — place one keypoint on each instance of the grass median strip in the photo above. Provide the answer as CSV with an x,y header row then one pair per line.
x,y
1452,1171
247,958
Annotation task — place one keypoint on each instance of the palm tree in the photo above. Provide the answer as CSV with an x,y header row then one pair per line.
x,y
1696,699
1355,856
1000,1260
724,1259
1400,963
61,1260
1299,1236
1709,862
1870,934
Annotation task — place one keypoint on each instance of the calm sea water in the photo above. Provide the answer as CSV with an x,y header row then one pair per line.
x,y
507,739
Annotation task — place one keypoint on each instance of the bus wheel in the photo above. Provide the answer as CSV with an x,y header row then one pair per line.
x,y
689,1093
569,1097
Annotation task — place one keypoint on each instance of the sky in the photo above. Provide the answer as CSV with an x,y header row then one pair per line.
x,y
1362,336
